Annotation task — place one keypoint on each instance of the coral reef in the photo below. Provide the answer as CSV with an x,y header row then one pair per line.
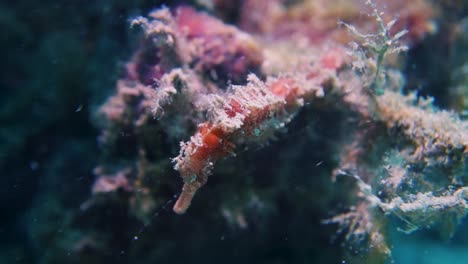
x,y
226,119
303,121
179,73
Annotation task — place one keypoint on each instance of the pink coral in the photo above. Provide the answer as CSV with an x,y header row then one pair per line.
x,y
217,46
316,19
